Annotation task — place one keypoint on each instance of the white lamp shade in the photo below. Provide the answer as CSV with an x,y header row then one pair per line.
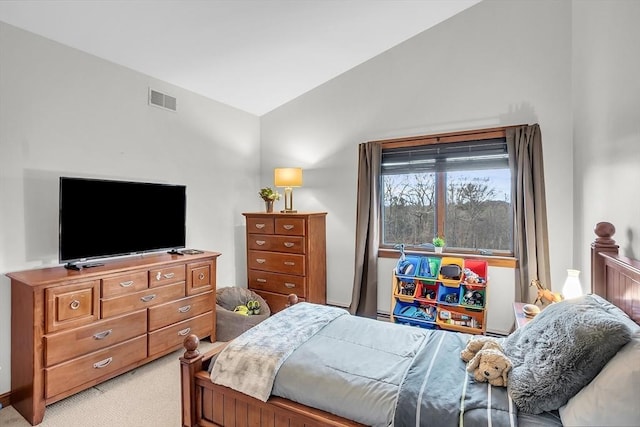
x,y
572,287
287,177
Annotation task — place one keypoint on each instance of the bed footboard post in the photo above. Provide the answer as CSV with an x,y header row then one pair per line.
x,y
190,362
603,243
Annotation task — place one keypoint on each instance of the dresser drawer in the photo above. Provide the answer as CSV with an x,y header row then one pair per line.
x,y
176,311
166,275
277,262
73,305
142,299
260,225
93,366
124,284
69,344
276,302
200,277
172,337
289,244
279,283
290,226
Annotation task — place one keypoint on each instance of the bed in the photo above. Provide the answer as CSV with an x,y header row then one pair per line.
x,y
565,396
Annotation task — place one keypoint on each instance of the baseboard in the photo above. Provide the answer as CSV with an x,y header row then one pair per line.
x,y
5,399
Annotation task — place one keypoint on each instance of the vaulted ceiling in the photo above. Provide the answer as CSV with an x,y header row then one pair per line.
x,y
254,55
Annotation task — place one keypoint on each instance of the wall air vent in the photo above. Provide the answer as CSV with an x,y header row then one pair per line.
x,y
162,100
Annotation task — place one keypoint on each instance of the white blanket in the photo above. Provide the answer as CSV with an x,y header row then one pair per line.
x,y
250,362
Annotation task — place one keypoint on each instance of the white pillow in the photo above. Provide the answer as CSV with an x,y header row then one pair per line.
x,y
611,398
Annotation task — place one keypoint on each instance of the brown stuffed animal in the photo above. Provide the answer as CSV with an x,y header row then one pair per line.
x,y
476,344
490,365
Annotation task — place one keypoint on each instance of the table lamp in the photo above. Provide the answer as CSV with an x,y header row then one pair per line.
x,y
572,287
288,178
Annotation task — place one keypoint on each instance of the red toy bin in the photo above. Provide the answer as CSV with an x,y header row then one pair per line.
x,y
427,290
479,267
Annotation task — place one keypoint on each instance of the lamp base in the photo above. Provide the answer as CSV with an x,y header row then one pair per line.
x,y
288,211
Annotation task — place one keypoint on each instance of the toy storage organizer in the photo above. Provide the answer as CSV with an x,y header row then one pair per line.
x,y
441,292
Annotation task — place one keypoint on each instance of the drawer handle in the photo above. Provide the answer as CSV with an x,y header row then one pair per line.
x,y
169,275
102,335
126,284
289,263
201,276
75,304
288,227
103,363
148,298
158,275
260,226
184,332
289,285
261,260
261,280
184,309
260,242
288,244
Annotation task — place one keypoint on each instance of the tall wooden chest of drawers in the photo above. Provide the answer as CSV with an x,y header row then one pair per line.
x,y
286,253
71,330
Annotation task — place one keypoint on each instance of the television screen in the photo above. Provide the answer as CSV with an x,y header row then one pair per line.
x,y
101,218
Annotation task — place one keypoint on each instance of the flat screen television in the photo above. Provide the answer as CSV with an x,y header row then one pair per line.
x,y
103,218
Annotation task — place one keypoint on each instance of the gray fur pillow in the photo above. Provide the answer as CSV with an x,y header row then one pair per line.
x,y
561,351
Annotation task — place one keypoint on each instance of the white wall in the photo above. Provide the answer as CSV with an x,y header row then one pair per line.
x,y
606,104
63,112
497,63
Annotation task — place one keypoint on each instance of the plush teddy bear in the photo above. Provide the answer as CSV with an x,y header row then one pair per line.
x,y
490,365
476,344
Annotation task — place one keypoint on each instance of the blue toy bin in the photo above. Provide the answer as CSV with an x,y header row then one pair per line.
x,y
448,295
428,268
415,314
408,269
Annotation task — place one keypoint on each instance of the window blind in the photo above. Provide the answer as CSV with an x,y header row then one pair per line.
x,y
458,156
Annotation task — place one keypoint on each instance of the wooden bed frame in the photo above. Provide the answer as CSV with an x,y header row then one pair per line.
x,y
206,404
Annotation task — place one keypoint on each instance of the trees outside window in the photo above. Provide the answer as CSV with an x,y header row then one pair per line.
x,y
461,191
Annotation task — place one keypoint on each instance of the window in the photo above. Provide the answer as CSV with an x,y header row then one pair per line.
x,y
457,187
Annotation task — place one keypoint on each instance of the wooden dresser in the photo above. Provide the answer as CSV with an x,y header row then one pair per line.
x,y
71,330
286,253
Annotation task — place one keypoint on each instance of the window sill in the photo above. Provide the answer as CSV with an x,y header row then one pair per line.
x,y
492,260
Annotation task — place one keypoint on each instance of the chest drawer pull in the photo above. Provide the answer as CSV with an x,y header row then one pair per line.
x,y
288,227
288,244
103,363
260,226
148,298
260,242
184,309
261,280
126,284
289,285
184,332
289,263
102,335
75,304
201,276
169,275
158,275
261,260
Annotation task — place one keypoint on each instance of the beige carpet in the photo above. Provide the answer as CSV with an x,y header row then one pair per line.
x,y
147,396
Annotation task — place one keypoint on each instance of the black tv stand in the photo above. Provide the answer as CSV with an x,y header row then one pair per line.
x,y
175,252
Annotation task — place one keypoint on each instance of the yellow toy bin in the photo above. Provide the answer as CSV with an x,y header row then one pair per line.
x,y
450,281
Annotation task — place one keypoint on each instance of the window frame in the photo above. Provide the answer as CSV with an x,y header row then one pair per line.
x,y
498,258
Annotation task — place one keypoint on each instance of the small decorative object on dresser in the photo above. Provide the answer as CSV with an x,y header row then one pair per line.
x,y
269,196
286,253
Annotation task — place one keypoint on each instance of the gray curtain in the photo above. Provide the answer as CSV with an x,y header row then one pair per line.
x,y
531,246
364,300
